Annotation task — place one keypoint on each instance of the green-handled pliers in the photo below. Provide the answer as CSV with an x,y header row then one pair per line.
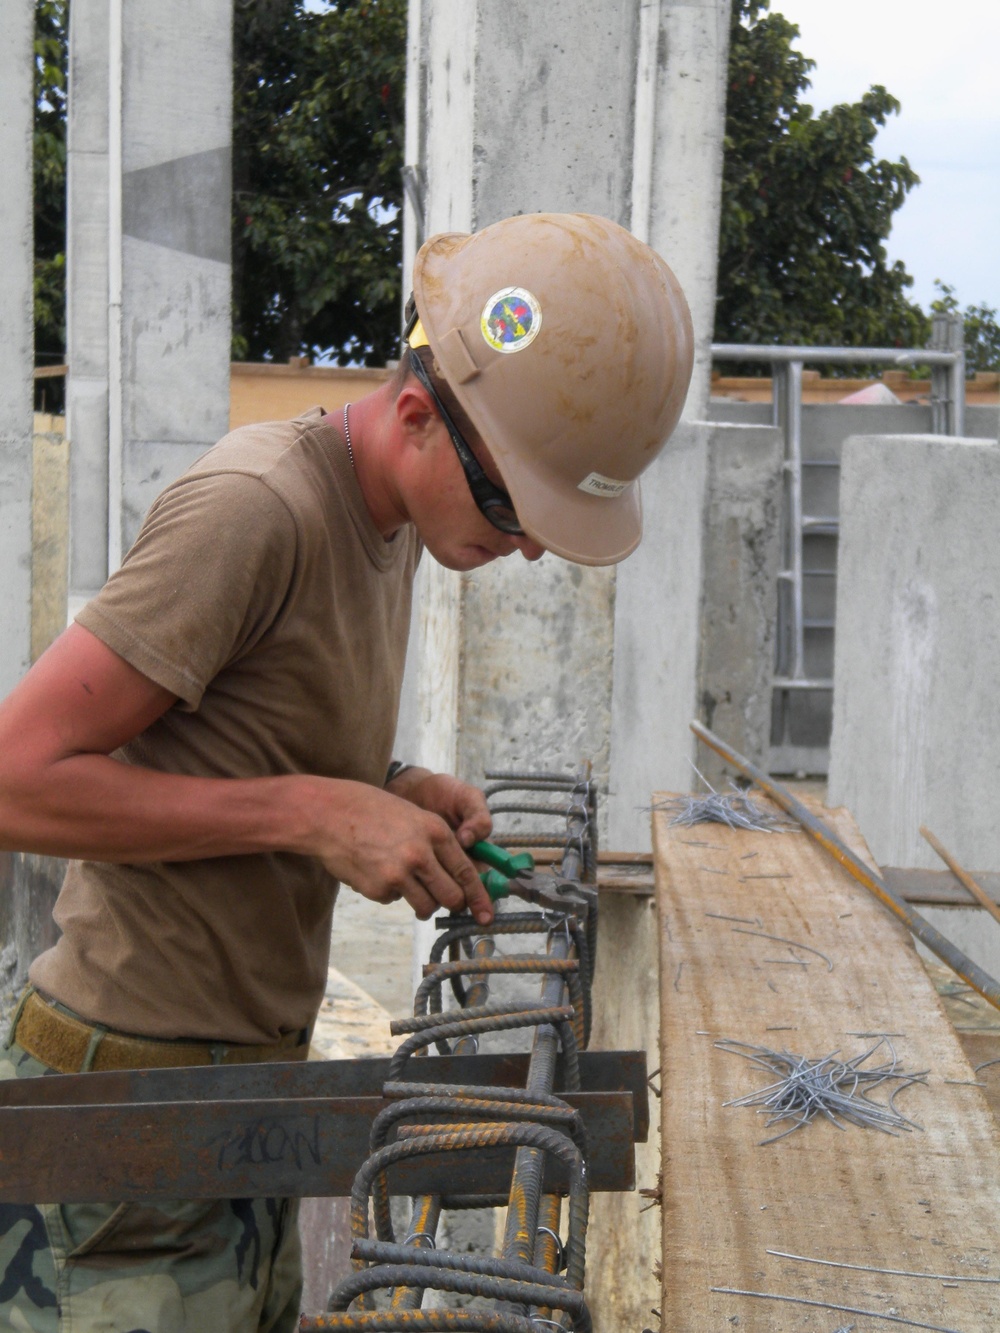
x,y
515,875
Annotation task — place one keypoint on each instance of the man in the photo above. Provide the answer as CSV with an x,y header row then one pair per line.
x,y
210,741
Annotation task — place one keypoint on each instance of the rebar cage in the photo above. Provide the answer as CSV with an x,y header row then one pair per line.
x,y
536,1280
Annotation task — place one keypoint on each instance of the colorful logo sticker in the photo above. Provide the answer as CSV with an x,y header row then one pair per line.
x,y
511,319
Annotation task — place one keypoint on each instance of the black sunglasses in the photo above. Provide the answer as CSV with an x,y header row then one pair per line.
x,y
492,501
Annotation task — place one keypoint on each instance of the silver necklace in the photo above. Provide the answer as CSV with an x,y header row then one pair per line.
x,y
347,437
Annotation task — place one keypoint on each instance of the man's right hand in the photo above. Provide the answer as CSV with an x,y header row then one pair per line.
x,y
387,848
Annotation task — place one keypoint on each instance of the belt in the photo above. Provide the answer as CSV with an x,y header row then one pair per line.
x,y
68,1044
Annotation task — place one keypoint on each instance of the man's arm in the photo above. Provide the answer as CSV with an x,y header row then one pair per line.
x,y
61,794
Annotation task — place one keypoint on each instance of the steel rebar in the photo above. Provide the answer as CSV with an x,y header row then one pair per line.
x,y
919,926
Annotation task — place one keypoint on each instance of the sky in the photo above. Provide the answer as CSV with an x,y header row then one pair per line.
x,y
942,62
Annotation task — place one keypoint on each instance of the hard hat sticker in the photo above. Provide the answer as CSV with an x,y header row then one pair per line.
x,y
595,483
511,319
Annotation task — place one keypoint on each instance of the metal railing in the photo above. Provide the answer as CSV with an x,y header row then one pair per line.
x,y
946,358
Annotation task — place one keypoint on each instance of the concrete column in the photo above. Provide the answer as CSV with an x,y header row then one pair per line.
x,y
917,662
17,347
150,275
176,273
548,143
87,296
26,890
578,105
677,165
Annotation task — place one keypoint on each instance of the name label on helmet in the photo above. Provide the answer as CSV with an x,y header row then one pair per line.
x,y
597,484
511,319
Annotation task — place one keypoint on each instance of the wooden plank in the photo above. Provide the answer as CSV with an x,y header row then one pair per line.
x,y
923,1201
983,1048
939,888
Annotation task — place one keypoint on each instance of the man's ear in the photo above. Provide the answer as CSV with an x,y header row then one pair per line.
x,y
415,413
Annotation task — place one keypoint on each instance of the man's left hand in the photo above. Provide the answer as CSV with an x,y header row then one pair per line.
x,y
462,806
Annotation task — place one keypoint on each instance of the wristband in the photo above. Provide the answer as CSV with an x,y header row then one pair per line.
x,y
395,768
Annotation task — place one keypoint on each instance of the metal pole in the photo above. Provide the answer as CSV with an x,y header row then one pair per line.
x,y
793,461
959,962
957,395
956,374
777,392
940,377
844,356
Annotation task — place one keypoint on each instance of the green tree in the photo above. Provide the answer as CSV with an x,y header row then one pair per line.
x,y
51,39
982,331
806,207
317,135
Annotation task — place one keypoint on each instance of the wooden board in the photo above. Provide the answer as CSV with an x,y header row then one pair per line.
x,y
939,888
924,1202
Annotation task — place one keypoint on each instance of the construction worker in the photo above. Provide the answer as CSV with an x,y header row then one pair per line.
x,y
210,741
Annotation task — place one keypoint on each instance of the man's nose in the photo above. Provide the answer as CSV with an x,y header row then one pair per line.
x,y
529,549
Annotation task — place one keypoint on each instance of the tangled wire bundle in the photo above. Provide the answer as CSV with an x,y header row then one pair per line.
x,y
831,1087
736,809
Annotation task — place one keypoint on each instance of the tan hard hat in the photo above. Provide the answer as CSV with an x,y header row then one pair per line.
x,y
568,342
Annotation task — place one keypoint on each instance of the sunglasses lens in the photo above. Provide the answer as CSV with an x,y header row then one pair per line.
x,y
502,516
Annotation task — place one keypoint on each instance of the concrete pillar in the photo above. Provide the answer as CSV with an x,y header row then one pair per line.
x,y
149,276
680,116
87,296
625,154
578,105
917,664
17,352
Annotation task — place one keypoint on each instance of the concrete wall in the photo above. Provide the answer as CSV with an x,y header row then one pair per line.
x,y
741,557
16,337
149,270
29,886
825,426
915,730
278,392
824,429
700,645
49,530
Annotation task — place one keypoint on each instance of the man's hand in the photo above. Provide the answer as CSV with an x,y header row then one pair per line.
x,y
61,794
388,848
462,806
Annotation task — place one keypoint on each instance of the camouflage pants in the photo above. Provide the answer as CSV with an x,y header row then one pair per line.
x,y
209,1266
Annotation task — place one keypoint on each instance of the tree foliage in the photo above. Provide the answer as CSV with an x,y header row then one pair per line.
x,y
317,153
982,330
51,40
806,206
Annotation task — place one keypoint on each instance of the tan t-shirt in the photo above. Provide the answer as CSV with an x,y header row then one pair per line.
x,y
260,592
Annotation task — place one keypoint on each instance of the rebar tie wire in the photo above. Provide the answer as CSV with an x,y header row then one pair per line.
x,y
735,809
533,1120
829,1086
